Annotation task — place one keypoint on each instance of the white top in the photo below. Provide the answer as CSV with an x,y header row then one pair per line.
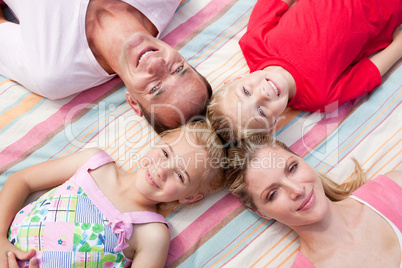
x,y
48,52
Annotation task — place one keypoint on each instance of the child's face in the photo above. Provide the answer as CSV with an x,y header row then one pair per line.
x,y
173,169
284,187
256,100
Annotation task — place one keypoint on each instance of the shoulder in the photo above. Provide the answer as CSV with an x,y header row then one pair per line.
x,y
153,235
396,176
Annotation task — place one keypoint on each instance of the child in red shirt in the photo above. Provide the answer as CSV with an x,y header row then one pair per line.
x,y
313,56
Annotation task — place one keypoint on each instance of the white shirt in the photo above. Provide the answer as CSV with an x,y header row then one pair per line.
x,y
48,52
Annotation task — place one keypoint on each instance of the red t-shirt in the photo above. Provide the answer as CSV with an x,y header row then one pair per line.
x,y
323,44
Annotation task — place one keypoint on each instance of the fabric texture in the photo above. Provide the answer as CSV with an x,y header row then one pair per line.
x,y
381,193
75,224
48,52
219,231
328,58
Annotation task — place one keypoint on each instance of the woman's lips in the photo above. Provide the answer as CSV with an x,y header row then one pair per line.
x,y
308,202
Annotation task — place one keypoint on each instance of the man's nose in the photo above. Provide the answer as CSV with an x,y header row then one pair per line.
x,y
157,65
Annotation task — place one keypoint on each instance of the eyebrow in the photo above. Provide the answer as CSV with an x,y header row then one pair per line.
x,y
181,168
163,89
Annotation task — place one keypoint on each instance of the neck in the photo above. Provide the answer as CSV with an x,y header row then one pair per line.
x,y
108,24
288,77
318,239
134,199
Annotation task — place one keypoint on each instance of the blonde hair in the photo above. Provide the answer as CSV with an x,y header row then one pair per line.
x,y
213,177
221,122
246,151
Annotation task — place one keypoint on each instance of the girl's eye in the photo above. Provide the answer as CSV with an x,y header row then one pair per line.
x,y
180,176
271,195
246,92
165,153
178,70
261,112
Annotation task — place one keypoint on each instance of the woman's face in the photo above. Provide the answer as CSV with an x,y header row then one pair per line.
x,y
284,187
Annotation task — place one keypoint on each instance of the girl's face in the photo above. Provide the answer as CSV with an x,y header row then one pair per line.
x,y
284,187
257,100
173,169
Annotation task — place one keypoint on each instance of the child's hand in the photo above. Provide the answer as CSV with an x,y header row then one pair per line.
x,y
12,261
6,247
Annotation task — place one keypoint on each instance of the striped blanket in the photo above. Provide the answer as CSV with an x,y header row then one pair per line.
x,y
218,232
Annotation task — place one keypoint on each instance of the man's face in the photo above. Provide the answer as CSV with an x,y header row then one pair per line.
x,y
160,80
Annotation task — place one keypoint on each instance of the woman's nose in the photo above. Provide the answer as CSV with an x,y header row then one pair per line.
x,y
295,190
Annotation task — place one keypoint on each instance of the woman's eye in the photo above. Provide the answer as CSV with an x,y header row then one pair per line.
x,y
178,70
165,153
246,92
260,111
180,176
293,168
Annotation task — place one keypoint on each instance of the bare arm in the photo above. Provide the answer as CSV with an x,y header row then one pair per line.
x,y
390,55
396,176
35,178
152,245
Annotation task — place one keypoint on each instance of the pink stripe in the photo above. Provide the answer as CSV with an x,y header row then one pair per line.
x,y
185,29
40,131
198,228
217,49
321,130
91,126
362,139
245,246
356,129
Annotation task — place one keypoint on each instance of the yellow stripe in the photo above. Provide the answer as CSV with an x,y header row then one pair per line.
x,y
280,252
290,255
361,133
274,246
238,25
89,132
230,251
376,154
398,154
5,81
22,107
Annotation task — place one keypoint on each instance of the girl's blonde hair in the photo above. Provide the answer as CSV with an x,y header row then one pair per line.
x,y
204,136
241,155
227,128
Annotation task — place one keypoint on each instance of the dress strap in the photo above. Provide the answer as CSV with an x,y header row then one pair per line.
x,y
122,225
140,217
98,160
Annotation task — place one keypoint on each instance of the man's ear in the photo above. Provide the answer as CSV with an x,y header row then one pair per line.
x,y
134,104
191,199
233,79
259,214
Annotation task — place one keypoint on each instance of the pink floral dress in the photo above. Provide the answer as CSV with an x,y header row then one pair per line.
x,y
75,225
